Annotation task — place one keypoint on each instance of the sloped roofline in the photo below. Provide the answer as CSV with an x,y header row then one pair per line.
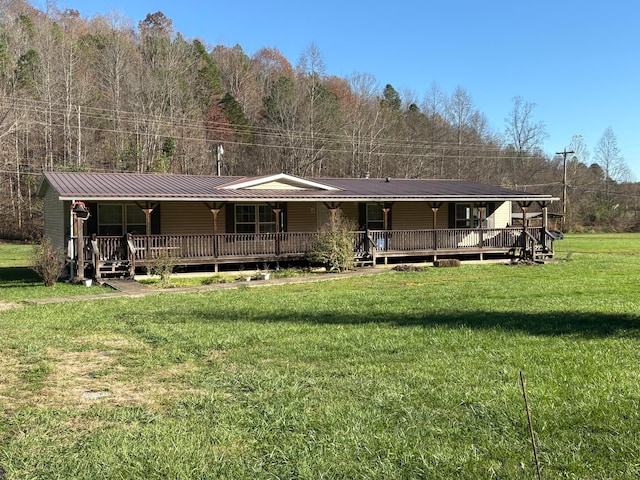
x,y
280,177
132,187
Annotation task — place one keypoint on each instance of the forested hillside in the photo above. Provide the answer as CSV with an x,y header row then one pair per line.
x,y
116,94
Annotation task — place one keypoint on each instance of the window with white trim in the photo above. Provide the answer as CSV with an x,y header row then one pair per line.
x,y
254,219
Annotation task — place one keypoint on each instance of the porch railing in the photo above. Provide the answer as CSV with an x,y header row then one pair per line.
x,y
266,246
460,239
193,247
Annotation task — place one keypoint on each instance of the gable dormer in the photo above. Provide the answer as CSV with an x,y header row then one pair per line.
x,y
281,181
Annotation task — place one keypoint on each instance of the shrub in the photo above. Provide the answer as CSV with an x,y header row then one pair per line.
x,y
47,262
163,265
334,247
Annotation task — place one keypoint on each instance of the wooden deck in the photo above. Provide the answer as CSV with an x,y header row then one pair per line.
x,y
113,255
452,242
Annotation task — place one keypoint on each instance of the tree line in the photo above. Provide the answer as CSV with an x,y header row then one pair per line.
x,y
105,94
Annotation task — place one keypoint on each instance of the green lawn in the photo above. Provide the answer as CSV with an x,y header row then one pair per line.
x,y
398,375
619,243
18,282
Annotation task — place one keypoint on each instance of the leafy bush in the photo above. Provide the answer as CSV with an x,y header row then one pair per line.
x,y
163,265
47,262
334,248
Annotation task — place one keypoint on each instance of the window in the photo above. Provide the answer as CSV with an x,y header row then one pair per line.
x,y
375,217
115,220
110,220
468,216
255,218
136,220
267,219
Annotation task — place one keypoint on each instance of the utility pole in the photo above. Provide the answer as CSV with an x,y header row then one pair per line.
x,y
564,154
219,152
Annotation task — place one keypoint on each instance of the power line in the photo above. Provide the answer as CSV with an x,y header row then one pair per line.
x,y
383,146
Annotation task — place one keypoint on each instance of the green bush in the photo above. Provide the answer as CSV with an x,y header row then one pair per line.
x,y
163,265
334,247
47,262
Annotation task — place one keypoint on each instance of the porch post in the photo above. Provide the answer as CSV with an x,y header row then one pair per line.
x,y
525,229
147,217
79,214
385,227
333,210
147,208
277,211
434,210
385,218
215,212
79,249
481,231
545,220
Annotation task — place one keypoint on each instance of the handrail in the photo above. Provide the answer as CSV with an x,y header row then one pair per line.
x,y
192,248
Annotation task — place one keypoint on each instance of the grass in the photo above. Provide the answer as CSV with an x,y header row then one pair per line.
x,y
612,243
18,282
177,280
399,375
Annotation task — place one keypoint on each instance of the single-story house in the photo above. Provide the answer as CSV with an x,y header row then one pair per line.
x,y
215,220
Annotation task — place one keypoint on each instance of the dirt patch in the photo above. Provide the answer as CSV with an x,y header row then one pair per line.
x,y
95,376
8,305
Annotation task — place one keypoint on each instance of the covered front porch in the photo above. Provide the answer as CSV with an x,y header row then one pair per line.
x,y
110,255
115,223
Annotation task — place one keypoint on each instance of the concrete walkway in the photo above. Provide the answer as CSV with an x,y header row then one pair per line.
x,y
132,288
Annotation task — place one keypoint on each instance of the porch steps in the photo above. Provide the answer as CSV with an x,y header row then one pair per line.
x,y
541,255
114,267
364,261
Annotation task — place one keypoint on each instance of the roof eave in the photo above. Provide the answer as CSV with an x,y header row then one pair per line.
x,y
360,198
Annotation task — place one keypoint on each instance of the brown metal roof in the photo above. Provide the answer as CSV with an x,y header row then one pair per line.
x,y
131,186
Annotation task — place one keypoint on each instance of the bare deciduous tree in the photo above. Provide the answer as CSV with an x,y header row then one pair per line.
x,y
525,135
610,160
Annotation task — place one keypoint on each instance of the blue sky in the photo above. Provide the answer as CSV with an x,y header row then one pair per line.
x,y
577,61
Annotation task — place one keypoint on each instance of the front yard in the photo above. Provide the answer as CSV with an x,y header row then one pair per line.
x,y
397,375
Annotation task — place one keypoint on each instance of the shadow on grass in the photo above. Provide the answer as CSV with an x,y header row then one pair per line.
x,y
586,325
11,277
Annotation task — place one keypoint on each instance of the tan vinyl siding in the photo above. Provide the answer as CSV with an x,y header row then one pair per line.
x,y
502,215
442,221
54,218
302,217
411,216
188,218
351,211
404,216
418,216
